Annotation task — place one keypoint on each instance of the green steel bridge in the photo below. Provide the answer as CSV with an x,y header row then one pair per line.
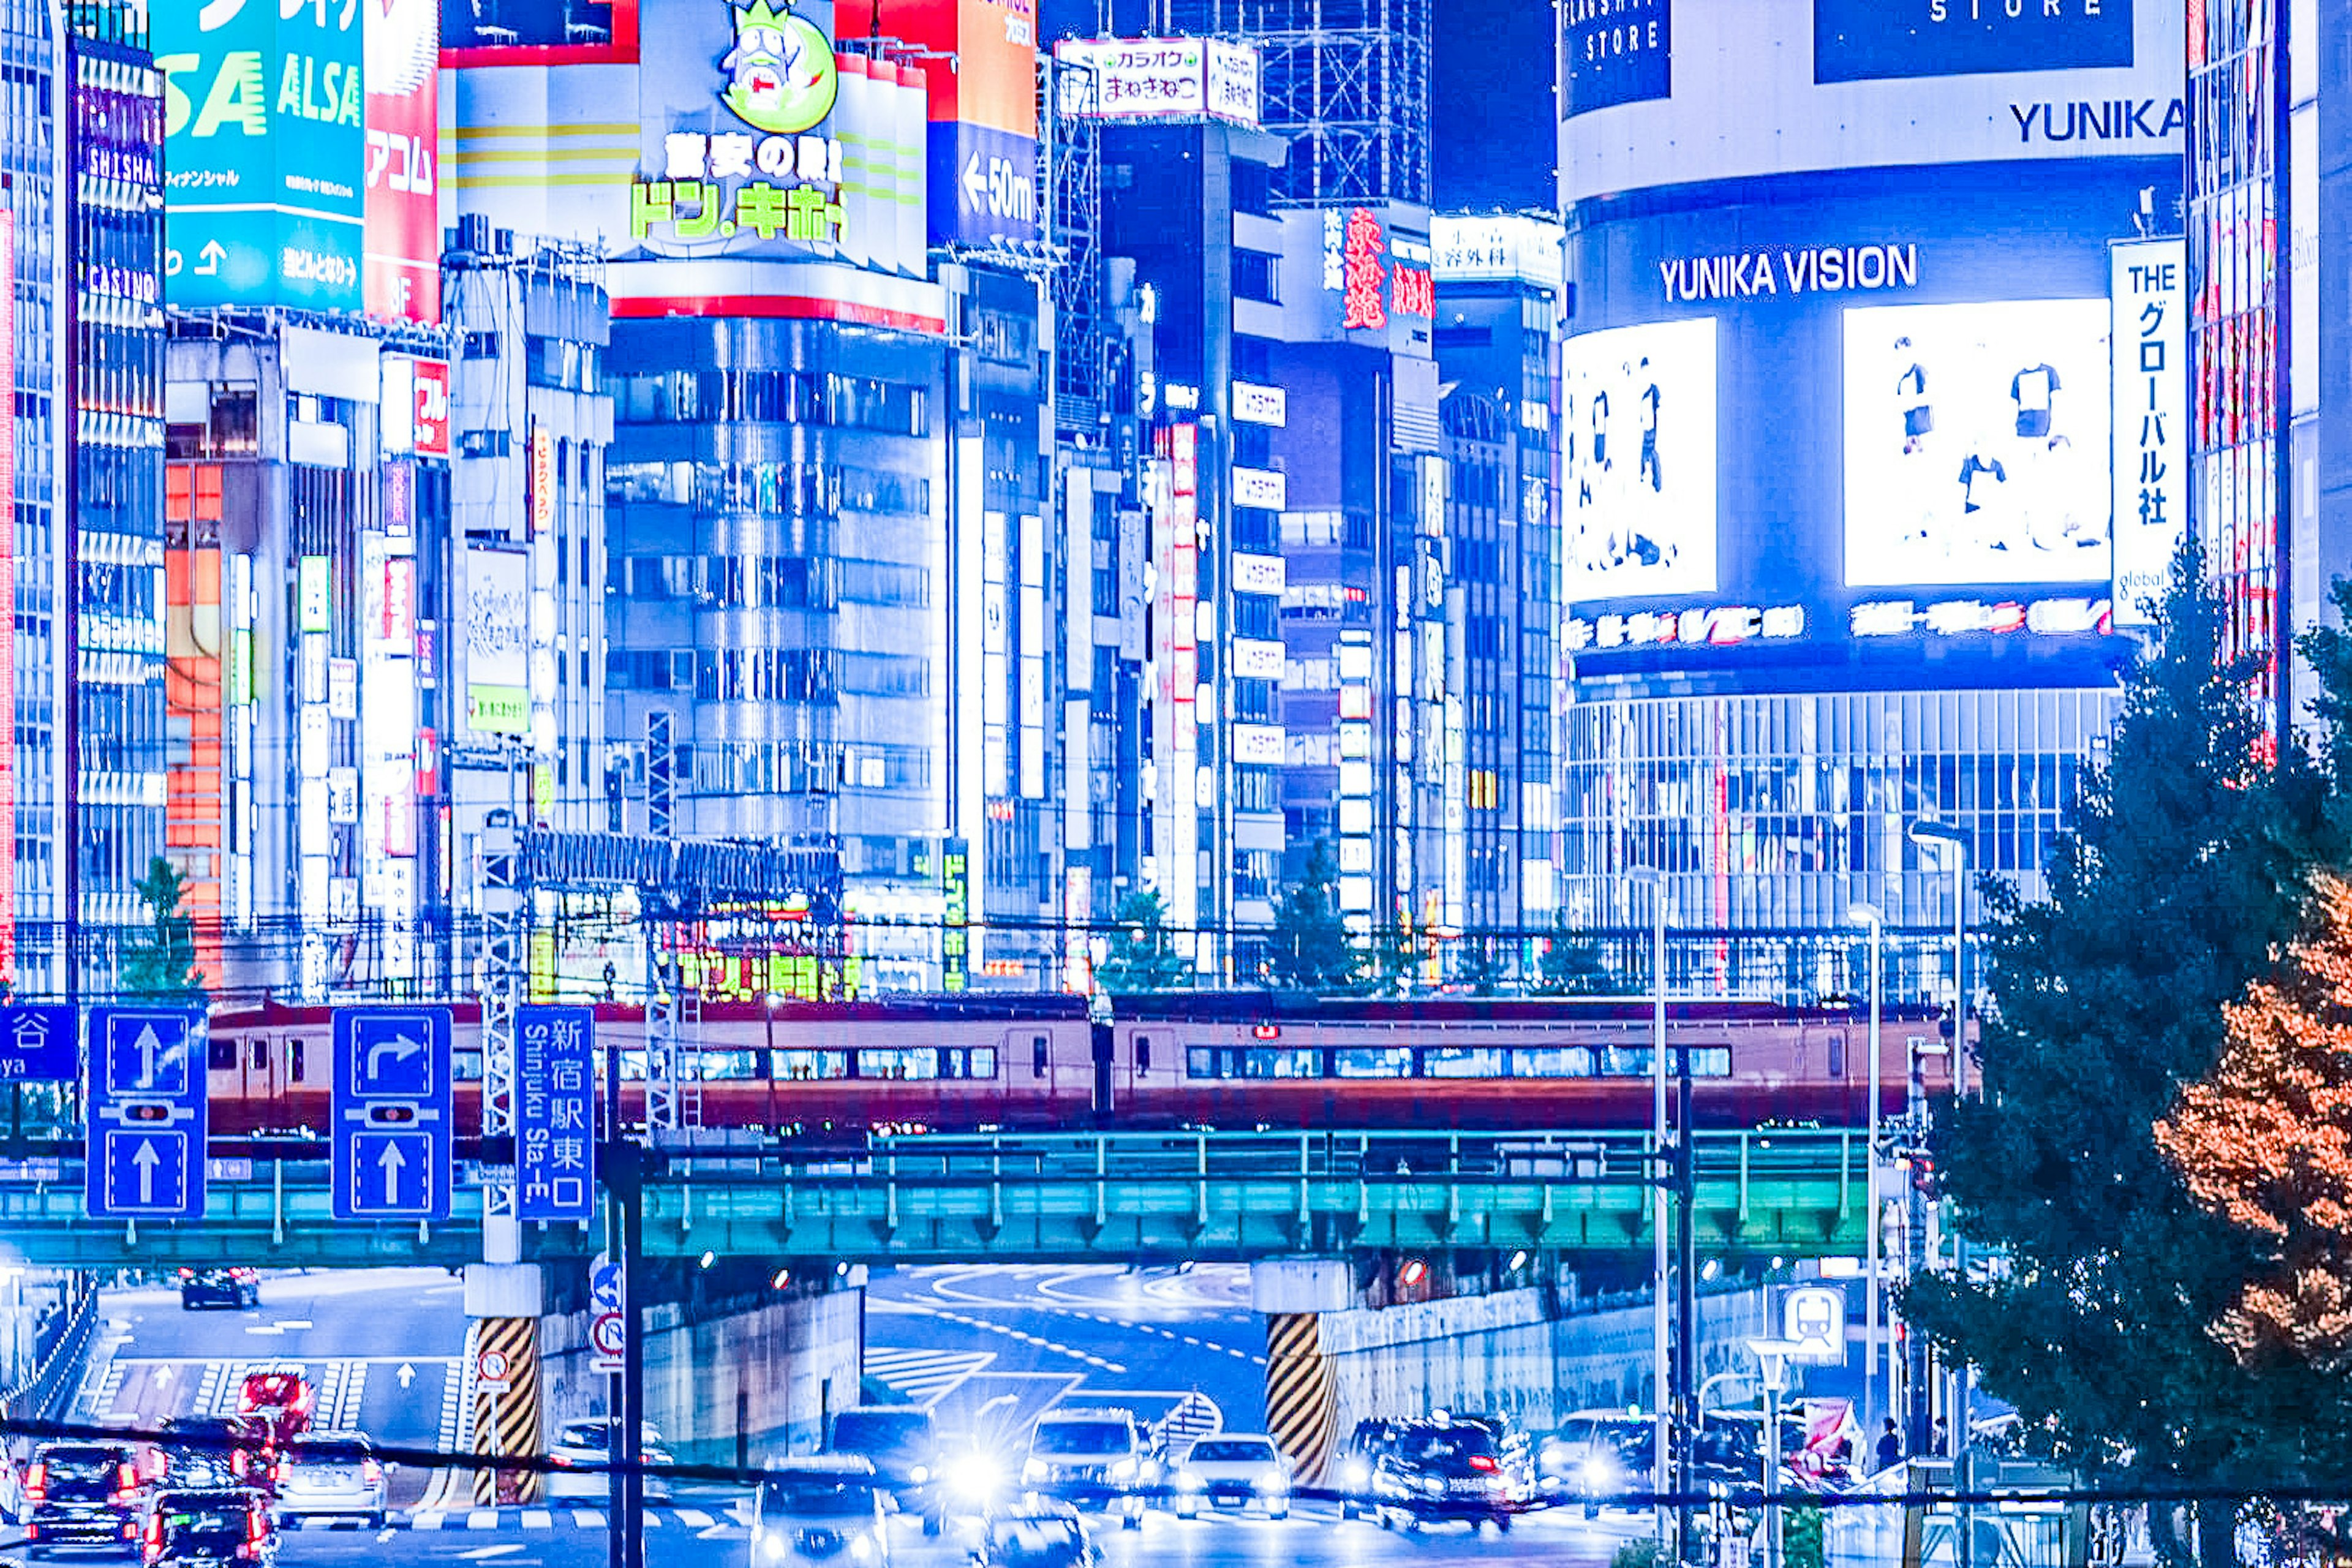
x,y
1029,1198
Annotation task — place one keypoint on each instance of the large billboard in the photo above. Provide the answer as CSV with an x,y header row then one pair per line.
x,y
265,146
1160,79
402,280
496,626
1637,444
2149,288
1766,87
1976,443
982,136
1869,40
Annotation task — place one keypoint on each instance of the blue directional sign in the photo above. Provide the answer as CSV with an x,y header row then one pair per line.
x,y
145,1122
391,1112
39,1044
555,1113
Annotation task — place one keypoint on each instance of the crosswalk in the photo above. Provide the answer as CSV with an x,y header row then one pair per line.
x,y
554,1516
924,1378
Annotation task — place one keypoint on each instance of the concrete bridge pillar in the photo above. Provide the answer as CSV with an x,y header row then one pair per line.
x,y
505,1301
1301,1406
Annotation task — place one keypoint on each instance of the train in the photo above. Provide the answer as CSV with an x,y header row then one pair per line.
x,y
993,1062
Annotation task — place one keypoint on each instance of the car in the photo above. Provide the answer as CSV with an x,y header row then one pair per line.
x,y
903,1445
1444,1471
1037,1535
233,1288
201,1451
589,1442
82,1496
216,1526
1233,1469
1596,1455
279,1397
1365,1445
1093,1456
330,1475
824,1508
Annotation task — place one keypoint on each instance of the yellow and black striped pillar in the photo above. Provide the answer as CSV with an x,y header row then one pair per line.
x,y
507,1420
1301,1404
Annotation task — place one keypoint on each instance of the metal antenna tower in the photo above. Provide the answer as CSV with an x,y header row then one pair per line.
x,y
667,1108
1072,175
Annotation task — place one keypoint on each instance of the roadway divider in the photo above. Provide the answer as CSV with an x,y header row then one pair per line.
x,y
507,1407
1301,1409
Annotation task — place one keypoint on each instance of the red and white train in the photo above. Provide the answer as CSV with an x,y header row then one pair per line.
x,y
1221,1060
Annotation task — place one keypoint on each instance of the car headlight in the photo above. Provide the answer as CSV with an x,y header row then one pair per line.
x,y
1121,1470
772,1546
1035,1470
975,1476
919,1474
862,1548
1356,1473
1272,1484
1189,1481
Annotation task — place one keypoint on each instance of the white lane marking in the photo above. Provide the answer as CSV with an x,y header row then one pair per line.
x,y
291,1323
538,1518
587,1519
484,1554
429,1519
694,1517
925,1377
482,1518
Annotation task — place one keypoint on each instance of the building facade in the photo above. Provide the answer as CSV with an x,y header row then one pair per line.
x,y
1845,551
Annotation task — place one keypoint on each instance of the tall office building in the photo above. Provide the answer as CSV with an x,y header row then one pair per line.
x,y
80,484
1845,551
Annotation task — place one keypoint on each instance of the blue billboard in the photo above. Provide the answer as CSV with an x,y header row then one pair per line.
x,y
264,153
983,184
1876,40
1614,51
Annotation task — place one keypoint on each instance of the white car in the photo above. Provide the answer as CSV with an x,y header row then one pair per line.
x,y
589,1442
1233,1469
823,1509
330,1475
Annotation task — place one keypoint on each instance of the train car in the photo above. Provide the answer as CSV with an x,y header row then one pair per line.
x,y
1243,1060
1027,1063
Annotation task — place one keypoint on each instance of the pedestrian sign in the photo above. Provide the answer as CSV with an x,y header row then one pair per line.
x,y
145,1120
555,1113
390,1108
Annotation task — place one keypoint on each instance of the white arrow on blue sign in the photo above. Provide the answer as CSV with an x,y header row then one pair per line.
x,y
390,1108
145,1122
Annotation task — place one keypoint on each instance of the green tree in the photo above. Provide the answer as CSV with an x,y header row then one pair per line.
x,y
160,960
1143,954
1571,965
1311,949
2181,868
1485,969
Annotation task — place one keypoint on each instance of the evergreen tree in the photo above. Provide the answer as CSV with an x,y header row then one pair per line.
x,y
1143,954
1311,949
2180,871
1572,965
160,960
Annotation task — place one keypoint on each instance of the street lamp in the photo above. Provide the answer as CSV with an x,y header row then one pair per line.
x,y
1662,1370
1869,915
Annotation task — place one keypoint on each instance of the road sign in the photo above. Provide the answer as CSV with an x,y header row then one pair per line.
x,y
605,1284
1814,1316
146,1123
491,1369
39,1044
555,1113
607,1335
391,1113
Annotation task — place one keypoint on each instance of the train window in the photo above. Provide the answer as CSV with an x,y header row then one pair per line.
x,y
720,1065
921,1062
1201,1061
1837,1056
221,1056
1551,1061
1625,1061
1382,1061
800,1067
1143,1053
261,1055
979,1061
1037,1055
1461,1061
1710,1061
294,1060
1296,1062
465,1066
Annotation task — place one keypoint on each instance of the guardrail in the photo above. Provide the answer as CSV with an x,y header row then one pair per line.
x,y
1048,1197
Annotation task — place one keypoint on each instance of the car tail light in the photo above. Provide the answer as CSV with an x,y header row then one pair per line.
x,y
1481,1462
257,1533
239,1461
154,1537
187,1274
36,1483
371,1472
126,1481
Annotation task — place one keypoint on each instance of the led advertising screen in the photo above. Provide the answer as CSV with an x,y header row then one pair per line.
x,y
1976,443
538,32
1866,40
402,280
1614,51
265,152
1637,442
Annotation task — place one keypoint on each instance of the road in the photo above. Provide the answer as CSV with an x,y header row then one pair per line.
x,y
988,1349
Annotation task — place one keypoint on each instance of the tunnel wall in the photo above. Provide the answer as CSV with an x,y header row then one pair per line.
x,y
1480,1354
749,1384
